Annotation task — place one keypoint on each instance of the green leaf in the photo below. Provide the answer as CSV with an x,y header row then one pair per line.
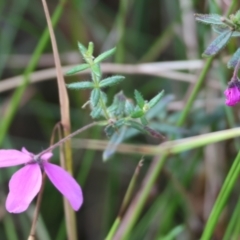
x,y
234,60
129,107
109,130
119,123
110,81
136,125
104,97
143,120
95,96
139,99
156,99
118,106
209,18
116,139
137,113
217,44
97,71
82,49
96,112
90,48
78,68
80,85
223,28
104,55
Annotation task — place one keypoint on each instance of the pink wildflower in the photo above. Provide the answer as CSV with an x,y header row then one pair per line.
x,y
232,93
25,184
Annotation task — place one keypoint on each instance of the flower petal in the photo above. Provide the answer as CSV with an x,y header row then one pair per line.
x,y
46,156
24,150
65,183
11,157
23,187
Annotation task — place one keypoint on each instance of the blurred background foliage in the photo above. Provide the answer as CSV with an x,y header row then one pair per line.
x,y
162,33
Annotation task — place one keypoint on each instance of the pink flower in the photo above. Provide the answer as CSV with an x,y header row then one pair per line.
x,y
25,184
232,93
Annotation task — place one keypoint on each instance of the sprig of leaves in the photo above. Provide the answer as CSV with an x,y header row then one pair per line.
x,y
122,113
225,27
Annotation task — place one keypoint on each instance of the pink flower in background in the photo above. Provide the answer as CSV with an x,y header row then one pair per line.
x,y
232,93
25,184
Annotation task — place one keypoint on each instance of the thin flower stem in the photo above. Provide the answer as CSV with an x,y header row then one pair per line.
x,y
236,69
37,209
57,144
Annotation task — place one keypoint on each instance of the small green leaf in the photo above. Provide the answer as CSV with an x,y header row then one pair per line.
x,y
209,18
95,96
137,114
156,99
143,120
119,123
129,107
96,112
104,55
97,71
136,125
234,60
90,48
118,105
139,99
104,97
109,130
110,81
82,49
223,28
78,68
81,85
217,44
116,139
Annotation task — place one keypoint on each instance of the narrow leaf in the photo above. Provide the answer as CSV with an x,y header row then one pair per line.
x,y
234,60
97,71
209,18
78,68
129,107
156,99
154,133
223,28
96,112
139,99
110,81
104,55
116,139
217,44
95,96
82,49
136,125
144,120
137,114
80,85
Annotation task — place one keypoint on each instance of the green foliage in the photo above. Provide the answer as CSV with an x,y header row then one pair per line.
x,y
80,85
94,97
217,44
139,99
110,81
77,69
225,27
235,59
104,55
209,18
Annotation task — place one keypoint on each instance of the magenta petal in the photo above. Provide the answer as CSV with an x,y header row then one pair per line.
x,y
23,187
46,156
24,150
13,157
65,183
